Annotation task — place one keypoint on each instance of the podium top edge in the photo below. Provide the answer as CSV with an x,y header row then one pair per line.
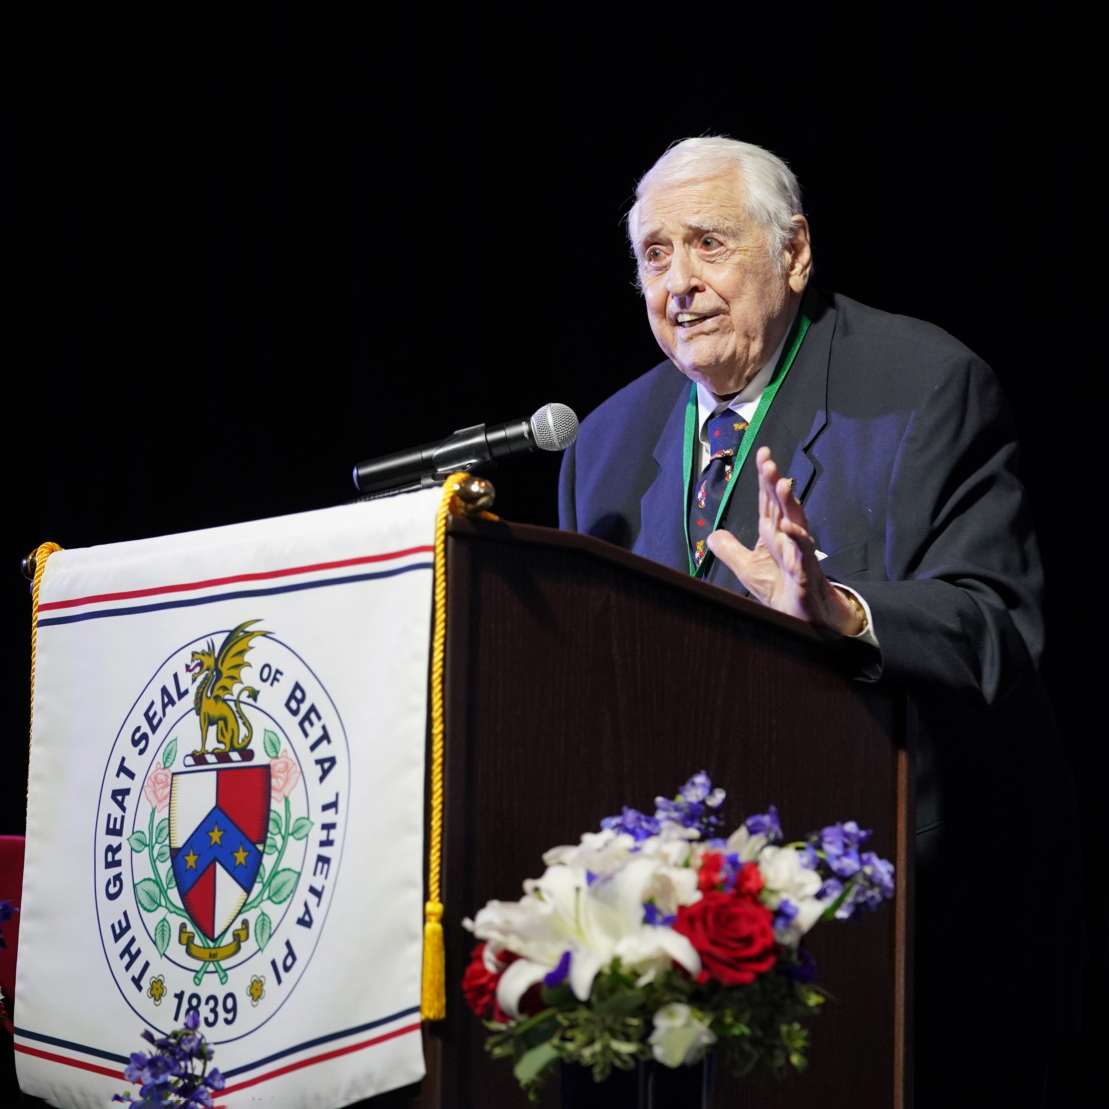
x,y
501,531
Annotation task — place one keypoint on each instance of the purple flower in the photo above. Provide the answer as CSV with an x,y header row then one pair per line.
x,y
699,788
6,910
878,872
787,911
652,914
808,857
168,1077
840,844
557,976
765,824
636,824
690,809
803,970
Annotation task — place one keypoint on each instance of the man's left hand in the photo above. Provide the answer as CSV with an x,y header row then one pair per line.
x,y
783,570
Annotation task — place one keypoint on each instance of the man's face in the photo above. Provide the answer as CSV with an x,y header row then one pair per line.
x,y
717,302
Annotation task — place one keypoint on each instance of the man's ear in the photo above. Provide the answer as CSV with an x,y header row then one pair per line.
x,y
799,255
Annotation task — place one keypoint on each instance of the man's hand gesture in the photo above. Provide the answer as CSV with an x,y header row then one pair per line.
x,y
783,571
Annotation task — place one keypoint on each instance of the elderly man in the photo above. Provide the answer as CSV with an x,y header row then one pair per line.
x,y
855,469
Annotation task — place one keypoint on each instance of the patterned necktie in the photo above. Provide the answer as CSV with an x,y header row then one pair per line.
x,y
724,432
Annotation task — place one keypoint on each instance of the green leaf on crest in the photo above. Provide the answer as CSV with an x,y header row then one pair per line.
x,y
271,846
162,854
275,822
271,741
137,840
301,827
283,884
171,881
162,935
148,895
161,832
170,753
263,929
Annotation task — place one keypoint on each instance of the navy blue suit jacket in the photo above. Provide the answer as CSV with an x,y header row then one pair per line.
x,y
903,454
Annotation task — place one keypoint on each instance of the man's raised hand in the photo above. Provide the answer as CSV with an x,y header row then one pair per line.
x,y
782,570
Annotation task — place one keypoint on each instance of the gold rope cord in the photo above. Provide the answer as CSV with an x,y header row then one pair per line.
x,y
40,554
433,994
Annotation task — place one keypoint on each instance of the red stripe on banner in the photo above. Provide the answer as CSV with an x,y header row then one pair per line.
x,y
319,1059
262,576
70,1062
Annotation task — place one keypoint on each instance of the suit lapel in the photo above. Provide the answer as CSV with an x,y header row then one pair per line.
x,y
797,416
662,534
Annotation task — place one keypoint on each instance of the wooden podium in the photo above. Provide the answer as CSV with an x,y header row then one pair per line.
x,y
582,678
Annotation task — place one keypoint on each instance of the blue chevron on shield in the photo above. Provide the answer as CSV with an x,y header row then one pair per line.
x,y
218,820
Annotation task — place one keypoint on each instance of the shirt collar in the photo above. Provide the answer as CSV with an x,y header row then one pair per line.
x,y
746,400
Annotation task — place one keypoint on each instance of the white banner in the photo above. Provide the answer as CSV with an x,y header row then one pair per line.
x,y
226,807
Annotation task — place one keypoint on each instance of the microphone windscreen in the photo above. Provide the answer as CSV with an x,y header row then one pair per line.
x,y
555,427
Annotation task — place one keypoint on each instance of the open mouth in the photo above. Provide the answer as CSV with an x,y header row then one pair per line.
x,y
687,320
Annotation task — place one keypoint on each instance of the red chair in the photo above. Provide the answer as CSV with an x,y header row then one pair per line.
x,y
11,889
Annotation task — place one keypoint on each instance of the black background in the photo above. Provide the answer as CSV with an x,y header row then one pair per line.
x,y
245,246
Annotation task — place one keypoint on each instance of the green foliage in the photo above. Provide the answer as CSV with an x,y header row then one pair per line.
x,y
283,884
301,827
137,840
271,742
756,1025
163,933
170,753
263,929
148,895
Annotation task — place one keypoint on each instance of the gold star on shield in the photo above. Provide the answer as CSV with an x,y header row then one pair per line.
x,y
215,835
190,860
240,856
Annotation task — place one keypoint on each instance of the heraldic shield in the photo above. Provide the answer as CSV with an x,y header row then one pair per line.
x,y
218,820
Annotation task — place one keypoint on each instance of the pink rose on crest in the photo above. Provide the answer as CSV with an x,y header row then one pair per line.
x,y
284,775
156,787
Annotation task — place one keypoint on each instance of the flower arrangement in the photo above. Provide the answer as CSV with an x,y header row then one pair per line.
x,y
656,939
176,1075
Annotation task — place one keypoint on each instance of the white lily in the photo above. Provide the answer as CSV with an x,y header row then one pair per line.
x,y
786,879
679,1037
596,922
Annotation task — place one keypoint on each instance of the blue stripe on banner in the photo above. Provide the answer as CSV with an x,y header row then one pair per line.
x,y
330,1038
189,602
96,1052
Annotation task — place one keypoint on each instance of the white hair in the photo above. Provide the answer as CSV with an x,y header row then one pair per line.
x,y
773,196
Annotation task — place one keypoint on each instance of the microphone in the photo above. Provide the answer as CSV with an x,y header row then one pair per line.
x,y
553,428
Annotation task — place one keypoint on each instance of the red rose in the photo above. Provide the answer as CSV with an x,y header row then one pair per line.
x,y
733,936
748,881
711,872
479,985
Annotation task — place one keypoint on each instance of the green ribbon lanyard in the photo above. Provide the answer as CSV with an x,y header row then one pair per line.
x,y
768,394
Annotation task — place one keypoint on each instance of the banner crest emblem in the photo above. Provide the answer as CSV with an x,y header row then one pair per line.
x,y
218,857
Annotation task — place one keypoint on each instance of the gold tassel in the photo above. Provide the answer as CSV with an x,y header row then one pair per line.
x,y
433,994
433,990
